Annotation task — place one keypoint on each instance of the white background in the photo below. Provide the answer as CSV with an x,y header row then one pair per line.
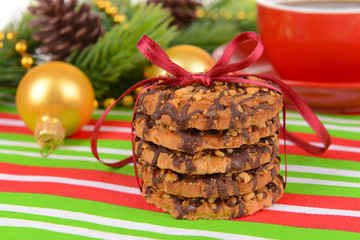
x,y
10,9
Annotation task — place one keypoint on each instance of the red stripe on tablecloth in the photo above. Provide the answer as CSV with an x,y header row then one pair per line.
x,y
118,123
304,220
102,135
78,135
291,149
332,202
9,116
81,174
331,154
137,201
76,191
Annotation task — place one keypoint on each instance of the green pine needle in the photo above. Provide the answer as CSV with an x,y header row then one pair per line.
x,y
115,54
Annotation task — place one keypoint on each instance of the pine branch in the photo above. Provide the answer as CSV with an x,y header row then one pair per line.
x,y
209,33
115,54
11,70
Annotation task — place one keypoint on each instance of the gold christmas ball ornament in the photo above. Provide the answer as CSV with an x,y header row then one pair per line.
x,y
119,18
2,35
21,46
107,103
27,61
191,58
10,35
127,101
96,104
112,10
54,100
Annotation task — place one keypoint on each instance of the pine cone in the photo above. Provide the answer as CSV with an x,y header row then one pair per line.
x,y
182,10
62,28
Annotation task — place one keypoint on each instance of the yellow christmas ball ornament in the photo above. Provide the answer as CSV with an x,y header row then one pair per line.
x,y
107,103
54,100
21,46
27,61
191,58
127,100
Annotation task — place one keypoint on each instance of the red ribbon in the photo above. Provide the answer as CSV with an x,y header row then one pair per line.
x,y
220,72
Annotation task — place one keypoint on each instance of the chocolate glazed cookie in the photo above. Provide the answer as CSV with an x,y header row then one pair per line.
x,y
210,185
220,106
193,140
209,161
215,208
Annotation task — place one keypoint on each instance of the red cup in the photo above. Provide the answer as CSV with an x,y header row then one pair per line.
x,y
311,44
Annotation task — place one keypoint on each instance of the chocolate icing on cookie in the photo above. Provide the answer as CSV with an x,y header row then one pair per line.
x,y
240,158
215,208
221,98
210,185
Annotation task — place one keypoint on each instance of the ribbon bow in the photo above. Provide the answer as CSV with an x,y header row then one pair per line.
x,y
220,72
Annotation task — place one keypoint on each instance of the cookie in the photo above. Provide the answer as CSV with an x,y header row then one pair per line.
x,y
210,185
193,140
220,106
209,161
215,208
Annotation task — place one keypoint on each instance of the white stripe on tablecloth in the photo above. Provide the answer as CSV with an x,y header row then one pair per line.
x,y
66,147
322,182
112,222
328,126
55,156
326,119
321,170
333,147
11,222
86,128
131,190
290,167
89,128
314,210
71,181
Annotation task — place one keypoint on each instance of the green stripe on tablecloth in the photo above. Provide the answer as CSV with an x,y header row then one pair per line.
x,y
7,109
15,233
88,225
119,144
322,190
334,133
162,219
324,176
323,116
321,162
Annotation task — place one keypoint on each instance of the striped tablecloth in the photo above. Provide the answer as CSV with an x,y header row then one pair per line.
x,y
69,195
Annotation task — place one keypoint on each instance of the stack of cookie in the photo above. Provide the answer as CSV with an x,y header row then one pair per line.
x,y
209,152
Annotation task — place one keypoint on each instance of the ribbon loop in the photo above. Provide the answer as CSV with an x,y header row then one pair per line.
x,y
155,54
222,67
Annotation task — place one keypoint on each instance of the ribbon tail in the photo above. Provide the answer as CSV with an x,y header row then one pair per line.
x,y
306,113
96,131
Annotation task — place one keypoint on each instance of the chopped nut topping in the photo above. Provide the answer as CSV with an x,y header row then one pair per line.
x,y
245,176
249,196
219,153
232,92
171,177
260,196
252,90
240,108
